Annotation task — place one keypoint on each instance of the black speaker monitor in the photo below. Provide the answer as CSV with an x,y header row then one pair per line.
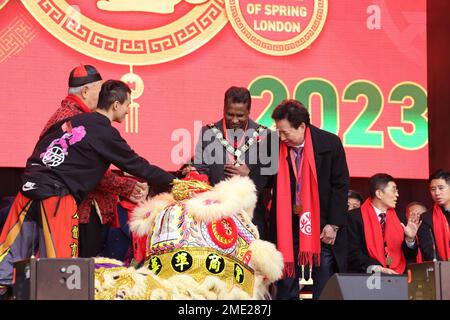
x,y
376,286
54,279
429,280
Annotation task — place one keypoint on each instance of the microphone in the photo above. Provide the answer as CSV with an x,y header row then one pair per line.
x,y
434,245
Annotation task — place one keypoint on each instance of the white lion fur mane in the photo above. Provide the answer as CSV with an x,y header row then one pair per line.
x,y
237,194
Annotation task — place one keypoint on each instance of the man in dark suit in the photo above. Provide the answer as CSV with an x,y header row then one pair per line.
x,y
309,204
378,240
236,145
434,238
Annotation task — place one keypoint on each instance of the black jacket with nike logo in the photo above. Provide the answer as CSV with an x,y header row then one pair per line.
x,y
74,154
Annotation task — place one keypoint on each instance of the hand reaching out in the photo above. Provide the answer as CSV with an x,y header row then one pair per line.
x,y
412,227
139,192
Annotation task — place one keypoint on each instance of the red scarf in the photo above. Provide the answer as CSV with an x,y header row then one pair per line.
x,y
441,233
309,231
75,99
394,236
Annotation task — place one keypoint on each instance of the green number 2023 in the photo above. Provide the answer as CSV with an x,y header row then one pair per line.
x,y
410,96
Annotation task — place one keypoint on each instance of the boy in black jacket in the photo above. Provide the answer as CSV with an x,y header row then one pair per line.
x,y
67,162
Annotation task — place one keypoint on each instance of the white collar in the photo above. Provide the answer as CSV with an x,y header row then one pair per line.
x,y
378,211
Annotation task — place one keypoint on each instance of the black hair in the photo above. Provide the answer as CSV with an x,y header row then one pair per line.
x,y
293,111
379,181
440,174
111,91
238,95
355,195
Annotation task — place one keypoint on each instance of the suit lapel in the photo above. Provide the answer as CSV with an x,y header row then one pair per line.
x,y
252,124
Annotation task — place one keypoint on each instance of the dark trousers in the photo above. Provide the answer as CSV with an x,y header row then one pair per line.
x,y
90,238
288,288
261,224
323,273
117,241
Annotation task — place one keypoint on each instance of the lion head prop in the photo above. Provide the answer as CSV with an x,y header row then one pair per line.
x,y
201,244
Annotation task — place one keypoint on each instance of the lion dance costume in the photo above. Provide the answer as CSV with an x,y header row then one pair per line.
x,y
201,244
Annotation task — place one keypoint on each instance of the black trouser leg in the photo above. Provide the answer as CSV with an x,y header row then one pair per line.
x,y
90,237
324,272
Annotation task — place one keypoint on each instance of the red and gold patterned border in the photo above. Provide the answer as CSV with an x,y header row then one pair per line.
x,y
140,47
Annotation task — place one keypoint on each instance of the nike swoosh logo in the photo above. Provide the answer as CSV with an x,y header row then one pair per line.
x,y
29,186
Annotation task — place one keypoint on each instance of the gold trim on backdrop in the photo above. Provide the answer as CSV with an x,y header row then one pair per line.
x,y
272,47
136,85
120,46
3,3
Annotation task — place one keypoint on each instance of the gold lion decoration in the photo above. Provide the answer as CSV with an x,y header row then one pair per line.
x,y
201,244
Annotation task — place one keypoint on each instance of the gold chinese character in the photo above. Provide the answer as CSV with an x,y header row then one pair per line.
x,y
214,263
238,275
75,232
155,265
74,248
75,216
181,258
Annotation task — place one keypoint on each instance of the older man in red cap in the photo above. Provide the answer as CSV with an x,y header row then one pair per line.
x,y
100,206
84,86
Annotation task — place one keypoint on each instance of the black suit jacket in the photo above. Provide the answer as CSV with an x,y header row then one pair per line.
x,y
213,164
257,158
425,233
359,259
333,179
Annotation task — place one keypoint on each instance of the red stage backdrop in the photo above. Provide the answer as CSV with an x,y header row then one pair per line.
x,y
359,66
